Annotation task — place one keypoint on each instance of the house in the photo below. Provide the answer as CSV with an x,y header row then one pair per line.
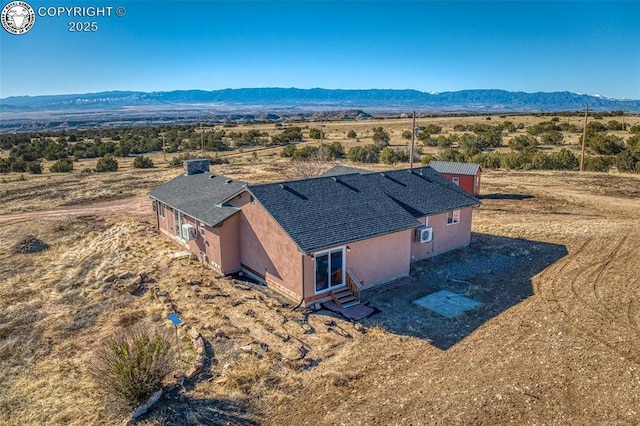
x,y
315,239
465,175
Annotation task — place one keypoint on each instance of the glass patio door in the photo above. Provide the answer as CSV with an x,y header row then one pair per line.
x,y
329,269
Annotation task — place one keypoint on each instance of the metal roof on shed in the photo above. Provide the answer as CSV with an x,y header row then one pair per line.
x,y
455,168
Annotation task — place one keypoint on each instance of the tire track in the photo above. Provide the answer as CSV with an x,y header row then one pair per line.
x,y
584,316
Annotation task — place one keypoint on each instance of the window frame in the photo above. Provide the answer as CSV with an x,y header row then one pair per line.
x,y
453,217
329,267
455,180
161,212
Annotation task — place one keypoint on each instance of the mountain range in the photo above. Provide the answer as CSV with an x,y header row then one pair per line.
x,y
18,112
463,100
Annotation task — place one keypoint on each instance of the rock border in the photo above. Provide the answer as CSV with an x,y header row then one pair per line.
x,y
197,342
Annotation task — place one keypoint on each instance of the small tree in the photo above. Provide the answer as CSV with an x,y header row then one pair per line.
x,y
142,162
35,167
131,365
107,164
315,134
62,166
352,134
380,137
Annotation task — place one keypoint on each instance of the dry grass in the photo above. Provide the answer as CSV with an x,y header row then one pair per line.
x,y
55,307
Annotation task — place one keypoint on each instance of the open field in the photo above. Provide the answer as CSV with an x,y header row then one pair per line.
x,y
553,259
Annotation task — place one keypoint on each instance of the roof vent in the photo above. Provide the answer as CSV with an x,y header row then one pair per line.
x,y
383,175
212,176
282,186
335,179
228,181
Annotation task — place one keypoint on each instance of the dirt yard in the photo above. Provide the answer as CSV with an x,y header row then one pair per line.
x,y
553,259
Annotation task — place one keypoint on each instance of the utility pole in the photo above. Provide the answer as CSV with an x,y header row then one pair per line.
x,y
202,139
164,148
321,139
584,138
413,140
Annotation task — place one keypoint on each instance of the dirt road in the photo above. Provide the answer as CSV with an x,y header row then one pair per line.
x,y
134,206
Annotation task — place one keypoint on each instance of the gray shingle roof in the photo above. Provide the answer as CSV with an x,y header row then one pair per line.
x,y
329,211
200,196
455,168
343,170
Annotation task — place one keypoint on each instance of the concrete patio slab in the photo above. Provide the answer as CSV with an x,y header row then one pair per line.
x,y
446,303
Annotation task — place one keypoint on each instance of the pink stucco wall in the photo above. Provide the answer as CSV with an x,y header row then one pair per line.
x,y
220,244
446,236
266,250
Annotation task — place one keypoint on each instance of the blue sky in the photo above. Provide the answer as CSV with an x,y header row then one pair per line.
x,y
580,46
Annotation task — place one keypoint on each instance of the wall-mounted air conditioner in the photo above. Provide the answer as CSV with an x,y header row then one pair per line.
x,y
424,234
189,232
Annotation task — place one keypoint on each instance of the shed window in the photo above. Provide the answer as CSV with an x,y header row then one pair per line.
x,y
160,209
456,180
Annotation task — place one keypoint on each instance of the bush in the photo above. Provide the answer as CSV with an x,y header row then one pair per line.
x,y
107,164
35,167
364,154
130,366
605,144
523,143
352,134
380,137
552,137
143,162
407,134
178,160
426,159
628,161
315,134
19,166
288,151
599,163
62,166
391,156
633,141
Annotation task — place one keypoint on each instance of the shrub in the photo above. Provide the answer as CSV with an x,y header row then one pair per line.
x,y
142,162
628,161
407,134
426,159
633,141
305,153
131,365
364,154
62,166
605,144
380,137
288,151
523,143
19,166
599,163
107,164
315,134
352,134
35,167
552,137
178,160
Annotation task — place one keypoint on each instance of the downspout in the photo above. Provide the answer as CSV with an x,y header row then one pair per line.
x,y
302,300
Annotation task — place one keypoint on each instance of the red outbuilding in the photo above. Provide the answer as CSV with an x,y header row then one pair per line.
x,y
465,175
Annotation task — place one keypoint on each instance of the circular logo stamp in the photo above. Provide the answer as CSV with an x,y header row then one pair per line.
x,y
18,17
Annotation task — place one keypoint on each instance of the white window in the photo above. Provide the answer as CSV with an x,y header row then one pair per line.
x,y
477,180
456,180
453,217
330,270
160,209
177,223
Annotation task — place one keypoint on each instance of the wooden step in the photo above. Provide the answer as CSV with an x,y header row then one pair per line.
x,y
345,298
